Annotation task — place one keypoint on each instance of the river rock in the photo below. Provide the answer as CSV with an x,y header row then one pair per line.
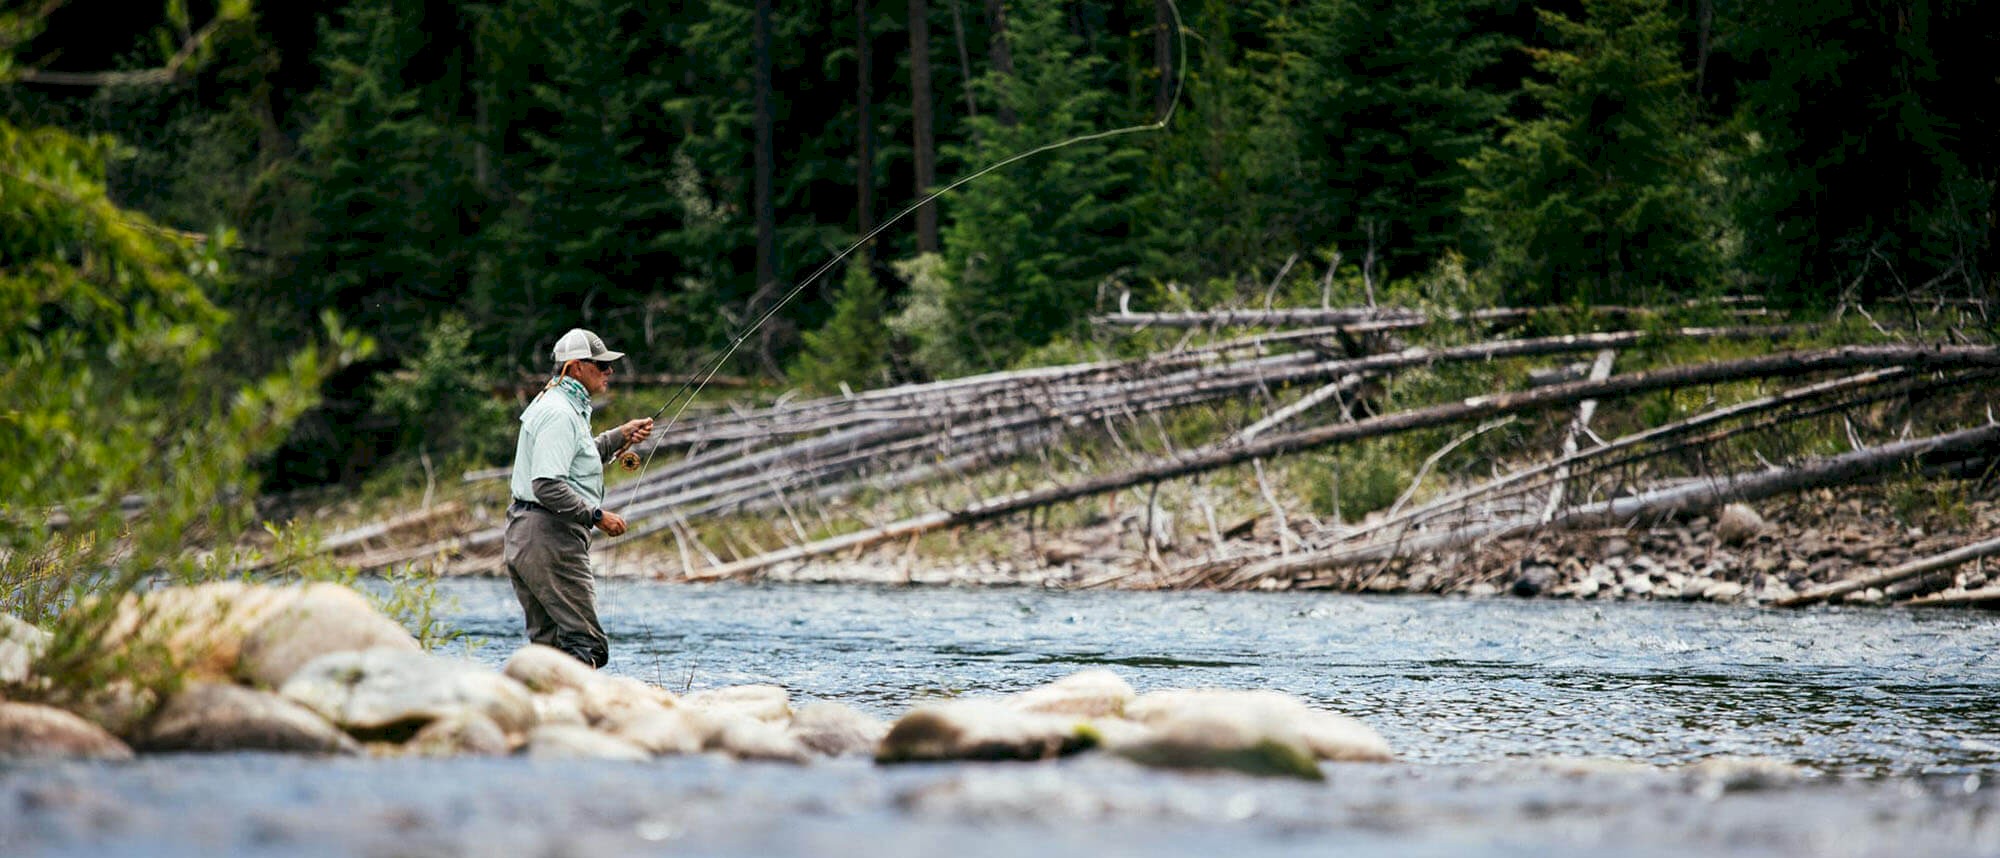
x,y
836,730
560,708
664,731
1723,591
1242,731
210,716
200,630
391,694
612,700
322,618
763,702
749,738
460,733
1324,735
20,644
1533,581
1093,693
545,670
981,730
34,731
565,742
1738,524
1728,773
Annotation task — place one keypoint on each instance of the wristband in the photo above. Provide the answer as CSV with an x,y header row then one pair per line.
x,y
596,517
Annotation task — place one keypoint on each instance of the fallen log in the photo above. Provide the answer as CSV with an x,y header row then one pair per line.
x,y
1475,408
1980,596
1853,468
1955,557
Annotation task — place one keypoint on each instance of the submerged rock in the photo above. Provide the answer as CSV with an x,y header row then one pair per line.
x,y
391,694
220,717
320,619
981,730
837,730
564,742
1091,693
762,702
34,731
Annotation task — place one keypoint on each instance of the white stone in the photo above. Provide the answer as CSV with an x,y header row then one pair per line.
x,y
388,692
1090,693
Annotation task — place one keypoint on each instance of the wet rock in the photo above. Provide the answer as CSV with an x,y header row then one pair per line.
x,y
546,670
565,742
320,619
1587,588
20,645
981,730
34,731
390,694
1482,589
1268,715
211,716
1737,524
1638,586
1733,774
1533,581
460,734
1090,693
1239,731
763,702
1724,592
665,731
1592,766
836,730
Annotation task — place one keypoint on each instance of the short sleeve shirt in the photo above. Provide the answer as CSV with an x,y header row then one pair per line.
x,y
555,443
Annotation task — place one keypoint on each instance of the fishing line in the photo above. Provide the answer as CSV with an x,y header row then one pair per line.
x,y
688,390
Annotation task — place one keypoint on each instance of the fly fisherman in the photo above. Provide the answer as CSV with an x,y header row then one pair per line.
x,y
558,487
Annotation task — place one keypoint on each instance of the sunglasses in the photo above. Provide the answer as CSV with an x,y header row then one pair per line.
x,y
602,366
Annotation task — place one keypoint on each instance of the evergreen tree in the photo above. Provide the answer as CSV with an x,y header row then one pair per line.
x,y
852,348
1606,195
1399,98
1028,244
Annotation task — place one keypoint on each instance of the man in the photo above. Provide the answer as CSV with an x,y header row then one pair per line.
x,y
558,488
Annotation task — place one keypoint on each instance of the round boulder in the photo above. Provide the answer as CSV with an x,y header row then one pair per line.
x,y
1738,524
1094,693
459,734
836,730
546,670
33,731
322,618
20,644
981,730
219,717
762,702
391,694
565,742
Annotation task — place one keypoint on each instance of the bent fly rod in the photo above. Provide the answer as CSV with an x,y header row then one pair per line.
x,y
691,388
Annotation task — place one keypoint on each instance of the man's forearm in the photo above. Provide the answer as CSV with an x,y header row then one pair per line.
x,y
609,442
563,502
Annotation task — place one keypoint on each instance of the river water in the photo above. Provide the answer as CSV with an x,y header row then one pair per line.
x,y
1891,715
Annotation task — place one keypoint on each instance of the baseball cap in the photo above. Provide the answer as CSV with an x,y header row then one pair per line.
x,y
579,344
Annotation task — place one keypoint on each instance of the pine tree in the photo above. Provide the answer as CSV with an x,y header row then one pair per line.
x,y
1607,194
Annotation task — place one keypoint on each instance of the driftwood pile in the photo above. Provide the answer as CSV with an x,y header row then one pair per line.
x,y
1315,384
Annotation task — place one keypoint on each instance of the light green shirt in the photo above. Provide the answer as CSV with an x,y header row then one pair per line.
x,y
556,443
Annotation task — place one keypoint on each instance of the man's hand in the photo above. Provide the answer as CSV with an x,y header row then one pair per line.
x,y
637,430
612,524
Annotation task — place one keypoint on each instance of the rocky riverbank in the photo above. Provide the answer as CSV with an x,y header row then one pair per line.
x,y
315,670
1738,554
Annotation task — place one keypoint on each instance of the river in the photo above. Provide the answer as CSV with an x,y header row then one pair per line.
x,y
1891,714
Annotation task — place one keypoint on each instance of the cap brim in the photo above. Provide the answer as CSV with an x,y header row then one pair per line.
x,y
607,354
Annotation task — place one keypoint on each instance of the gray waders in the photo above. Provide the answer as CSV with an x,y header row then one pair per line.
x,y
548,559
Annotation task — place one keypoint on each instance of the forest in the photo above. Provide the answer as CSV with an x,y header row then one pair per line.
x,y
338,227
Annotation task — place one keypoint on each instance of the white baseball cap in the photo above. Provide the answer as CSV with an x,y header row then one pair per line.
x,y
579,344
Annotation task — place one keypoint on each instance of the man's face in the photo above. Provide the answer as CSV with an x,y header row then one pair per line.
x,y
595,375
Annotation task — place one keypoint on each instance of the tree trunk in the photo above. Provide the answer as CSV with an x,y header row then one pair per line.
x,y
766,153
1163,56
924,149
1001,54
964,60
864,131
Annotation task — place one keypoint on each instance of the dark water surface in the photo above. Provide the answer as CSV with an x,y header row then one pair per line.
x,y
1893,712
